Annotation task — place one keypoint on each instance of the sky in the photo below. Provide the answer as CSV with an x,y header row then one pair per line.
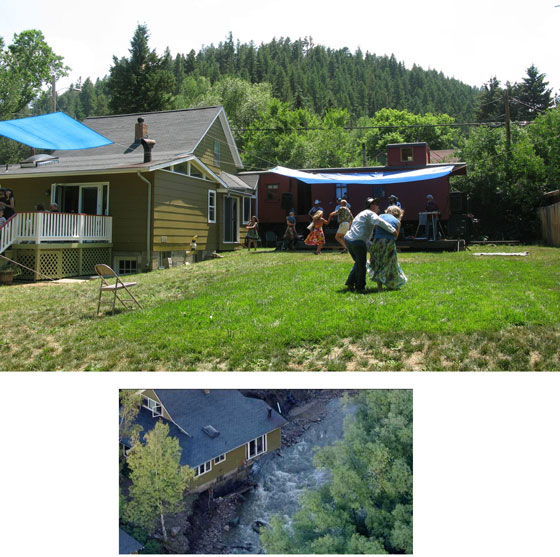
x,y
471,41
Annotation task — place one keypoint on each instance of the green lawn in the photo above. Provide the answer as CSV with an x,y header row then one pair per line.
x,y
290,311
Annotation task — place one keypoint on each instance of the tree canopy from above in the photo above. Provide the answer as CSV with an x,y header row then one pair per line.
x,y
366,506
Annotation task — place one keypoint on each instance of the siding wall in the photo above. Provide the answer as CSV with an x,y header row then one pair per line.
x,y
235,460
128,201
181,211
550,224
205,150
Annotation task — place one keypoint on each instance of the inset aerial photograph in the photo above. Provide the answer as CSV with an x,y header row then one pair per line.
x,y
222,471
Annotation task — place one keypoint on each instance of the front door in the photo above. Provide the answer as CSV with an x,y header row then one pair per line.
x,y
230,220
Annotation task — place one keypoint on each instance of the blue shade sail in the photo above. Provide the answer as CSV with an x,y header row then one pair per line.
x,y
383,177
55,132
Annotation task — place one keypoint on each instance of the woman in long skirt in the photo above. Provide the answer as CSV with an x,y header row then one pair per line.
x,y
384,265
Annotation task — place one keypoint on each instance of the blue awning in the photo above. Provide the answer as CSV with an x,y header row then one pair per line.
x,y
55,132
383,177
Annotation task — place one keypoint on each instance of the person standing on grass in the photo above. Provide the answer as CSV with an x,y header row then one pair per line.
x,y
290,236
357,239
384,265
252,233
316,236
345,218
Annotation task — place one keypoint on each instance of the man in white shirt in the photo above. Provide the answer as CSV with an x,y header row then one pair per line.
x,y
357,239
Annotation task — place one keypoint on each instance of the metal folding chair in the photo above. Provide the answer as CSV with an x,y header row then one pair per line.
x,y
106,274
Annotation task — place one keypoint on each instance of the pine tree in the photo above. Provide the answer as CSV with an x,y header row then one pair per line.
x,y
490,102
142,83
532,95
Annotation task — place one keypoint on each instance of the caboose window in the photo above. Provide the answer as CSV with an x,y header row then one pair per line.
x,y
407,154
272,192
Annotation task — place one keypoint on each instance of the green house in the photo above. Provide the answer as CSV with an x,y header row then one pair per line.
x,y
167,182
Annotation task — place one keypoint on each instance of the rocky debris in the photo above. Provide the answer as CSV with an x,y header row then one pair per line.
x,y
258,525
210,521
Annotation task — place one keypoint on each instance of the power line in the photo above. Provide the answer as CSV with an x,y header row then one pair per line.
x,y
398,126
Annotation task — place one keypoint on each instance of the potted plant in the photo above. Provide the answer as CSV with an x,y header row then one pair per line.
x,y
8,271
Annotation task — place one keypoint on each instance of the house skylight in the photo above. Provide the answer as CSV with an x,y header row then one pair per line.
x,y
38,160
211,431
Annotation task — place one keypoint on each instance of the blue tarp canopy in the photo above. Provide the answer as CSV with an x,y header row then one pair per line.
x,y
383,177
55,132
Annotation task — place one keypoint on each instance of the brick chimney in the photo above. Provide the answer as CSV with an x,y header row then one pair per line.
x,y
140,130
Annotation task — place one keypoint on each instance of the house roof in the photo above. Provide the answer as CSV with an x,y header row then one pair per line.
x,y
236,184
444,156
237,418
177,133
127,544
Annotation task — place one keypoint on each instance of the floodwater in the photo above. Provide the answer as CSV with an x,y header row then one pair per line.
x,y
283,479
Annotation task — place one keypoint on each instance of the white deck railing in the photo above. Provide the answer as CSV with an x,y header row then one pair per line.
x,y
37,228
8,234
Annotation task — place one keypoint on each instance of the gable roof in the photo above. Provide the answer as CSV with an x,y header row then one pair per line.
x,y
236,184
177,134
237,418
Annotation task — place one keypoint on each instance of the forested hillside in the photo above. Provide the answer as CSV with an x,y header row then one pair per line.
x,y
319,78
299,72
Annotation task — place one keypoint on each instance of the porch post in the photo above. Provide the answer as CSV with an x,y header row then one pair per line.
x,y
82,222
38,227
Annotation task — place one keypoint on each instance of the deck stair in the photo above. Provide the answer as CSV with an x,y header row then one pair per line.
x,y
8,233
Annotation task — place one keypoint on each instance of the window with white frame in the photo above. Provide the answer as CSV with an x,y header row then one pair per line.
x,y
203,469
211,206
181,168
246,209
126,266
217,153
195,172
152,405
256,447
219,459
341,190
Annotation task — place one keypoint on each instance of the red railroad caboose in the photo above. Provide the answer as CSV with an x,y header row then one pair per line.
x,y
408,174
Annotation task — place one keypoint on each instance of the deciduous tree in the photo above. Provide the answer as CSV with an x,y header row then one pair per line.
x,y
366,507
158,479
25,65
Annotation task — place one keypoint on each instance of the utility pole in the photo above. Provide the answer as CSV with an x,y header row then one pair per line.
x,y
53,92
508,119
508,135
